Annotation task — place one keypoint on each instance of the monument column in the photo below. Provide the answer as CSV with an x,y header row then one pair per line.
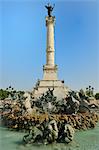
x,y
50,21
50,69
50,79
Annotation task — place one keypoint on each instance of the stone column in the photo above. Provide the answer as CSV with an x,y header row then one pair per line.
x,y
50,21
50,69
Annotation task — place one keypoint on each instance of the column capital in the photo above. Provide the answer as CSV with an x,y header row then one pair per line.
x,y
50,20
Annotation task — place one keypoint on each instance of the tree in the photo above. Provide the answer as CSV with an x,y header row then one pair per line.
x,y
97,96
90,91
3,94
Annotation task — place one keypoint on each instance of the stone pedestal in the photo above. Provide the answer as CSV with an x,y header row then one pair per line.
x,y
50,72
60,90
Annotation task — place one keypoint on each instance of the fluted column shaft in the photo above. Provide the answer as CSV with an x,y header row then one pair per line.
x,y
50,21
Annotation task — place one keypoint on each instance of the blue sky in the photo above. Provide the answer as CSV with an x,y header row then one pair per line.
x,y
23,42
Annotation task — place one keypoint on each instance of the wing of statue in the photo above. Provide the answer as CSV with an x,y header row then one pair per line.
x,y
46,6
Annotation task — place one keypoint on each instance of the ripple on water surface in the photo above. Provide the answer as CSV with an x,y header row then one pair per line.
x,y
84,140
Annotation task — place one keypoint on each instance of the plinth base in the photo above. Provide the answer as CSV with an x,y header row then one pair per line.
x,y
50,72
42,86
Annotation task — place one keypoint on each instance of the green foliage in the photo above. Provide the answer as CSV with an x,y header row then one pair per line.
x,y
97,96
3,94
89,91
10,91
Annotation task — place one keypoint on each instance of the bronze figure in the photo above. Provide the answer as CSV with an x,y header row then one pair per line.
x,y
49,8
